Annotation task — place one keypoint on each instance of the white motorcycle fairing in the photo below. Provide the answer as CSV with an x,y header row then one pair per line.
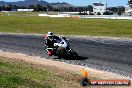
x,y
60,43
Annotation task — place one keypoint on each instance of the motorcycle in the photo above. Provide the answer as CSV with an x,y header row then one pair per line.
x,y
62,49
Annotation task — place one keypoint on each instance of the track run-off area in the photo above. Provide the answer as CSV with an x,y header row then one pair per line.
x,y
108,54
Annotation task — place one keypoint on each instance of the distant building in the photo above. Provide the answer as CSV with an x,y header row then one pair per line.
x,y
128,8
130,3
25,10
98,8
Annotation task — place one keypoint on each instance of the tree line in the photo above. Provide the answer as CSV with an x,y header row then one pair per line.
x,y
46,8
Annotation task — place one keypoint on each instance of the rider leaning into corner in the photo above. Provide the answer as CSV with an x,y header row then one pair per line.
x,y
57,45
50,39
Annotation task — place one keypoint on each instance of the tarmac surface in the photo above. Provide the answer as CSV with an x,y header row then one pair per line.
x,y
114,55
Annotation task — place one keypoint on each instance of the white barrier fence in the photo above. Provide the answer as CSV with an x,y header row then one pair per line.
x,y
59,15
90,16
108,17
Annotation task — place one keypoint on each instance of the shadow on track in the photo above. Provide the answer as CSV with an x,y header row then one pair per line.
x,y
78,58
74,58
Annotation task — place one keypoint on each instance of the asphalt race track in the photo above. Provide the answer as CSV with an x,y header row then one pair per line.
x,y
110,55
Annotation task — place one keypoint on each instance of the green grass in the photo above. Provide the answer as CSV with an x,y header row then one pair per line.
x,y
66,26
18,75
21,75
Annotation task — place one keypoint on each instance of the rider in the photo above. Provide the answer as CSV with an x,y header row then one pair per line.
x,y
55,43
50,39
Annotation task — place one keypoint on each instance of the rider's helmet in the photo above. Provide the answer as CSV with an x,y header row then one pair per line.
x,y
50,35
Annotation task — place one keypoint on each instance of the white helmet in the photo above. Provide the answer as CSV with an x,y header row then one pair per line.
x,y
50,34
